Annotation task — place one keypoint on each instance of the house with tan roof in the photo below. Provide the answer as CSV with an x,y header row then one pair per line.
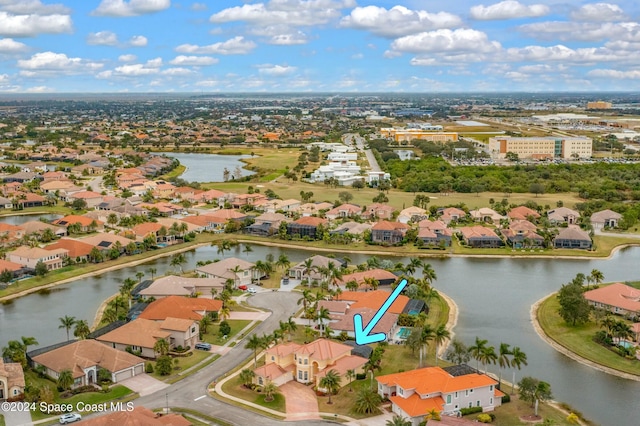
x,y
305,227
11,380
563,215
412,214
30,256
413,394
434,233
487,215
86,223
522,234
617,298
173,285
206,223
299,272
76,250
240,271
479,236
522,213
267,224
180,307
307,363
605,219
572,237
309,209
388,233
451,214
84,358
37,227
92,199
343,211
139,416
141,335
378,211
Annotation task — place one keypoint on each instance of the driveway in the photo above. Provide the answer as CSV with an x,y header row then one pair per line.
x,y
17,418
301,402
144,384
260,316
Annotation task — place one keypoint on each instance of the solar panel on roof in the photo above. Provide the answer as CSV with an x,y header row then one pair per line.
x,y
104,244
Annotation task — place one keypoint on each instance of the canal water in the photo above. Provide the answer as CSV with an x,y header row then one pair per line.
x,y
210,167
494,297
19,220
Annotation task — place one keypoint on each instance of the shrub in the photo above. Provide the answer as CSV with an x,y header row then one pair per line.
x,y
163,365
506,398
470,410
484,418
602,338
361,376
225,329
148,368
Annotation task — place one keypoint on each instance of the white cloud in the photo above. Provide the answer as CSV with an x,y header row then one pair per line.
x,y
282,35
130,8
599,12
207,83
39,89
398,20
615,74
102,38
508,9
9,45
541,54
138,41
154,63
27,7
235,46
32,25
127,58
446,41
198,6
45,63
177,71
275,70
582,31
133,70
193,60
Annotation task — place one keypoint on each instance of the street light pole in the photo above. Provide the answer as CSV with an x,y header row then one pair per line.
x,y
167,402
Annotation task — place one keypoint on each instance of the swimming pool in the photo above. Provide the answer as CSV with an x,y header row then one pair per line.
x,y
626,344
414,312
404,332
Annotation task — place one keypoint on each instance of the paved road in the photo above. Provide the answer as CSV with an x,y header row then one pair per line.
x,y
185,392
360,143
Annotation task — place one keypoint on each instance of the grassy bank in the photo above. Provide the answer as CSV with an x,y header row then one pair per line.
x,y
173,173
579,339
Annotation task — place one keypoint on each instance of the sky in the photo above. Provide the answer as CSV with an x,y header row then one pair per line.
x,y
318,46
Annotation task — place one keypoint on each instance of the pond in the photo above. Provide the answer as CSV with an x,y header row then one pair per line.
x,y
210,167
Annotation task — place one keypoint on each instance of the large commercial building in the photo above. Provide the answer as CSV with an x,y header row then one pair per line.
x,y
541,147
407,135
599,105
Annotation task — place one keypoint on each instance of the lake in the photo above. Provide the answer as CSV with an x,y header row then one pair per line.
x,y
210,167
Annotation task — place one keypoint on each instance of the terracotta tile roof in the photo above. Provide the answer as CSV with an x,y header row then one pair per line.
x,y
310,221
86,195
477,232
435,380
385,324
350,362
140,416
522,213
180,307
82,220
349,209
323,349
75,248
432,224
374,300
139,332
414,406
378,274
618,294
36,252
176,324
5,265
334,306
13,372
271,371
146,228
385,225
283,349
226,214
84,354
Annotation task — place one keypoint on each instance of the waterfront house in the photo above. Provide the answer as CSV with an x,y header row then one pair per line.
x,y
301,273
305,227
382,277
78,251
479,237
266,224
617,298
86,224
180,307
413,394
388,233
522,234
11,380
30,256
173,285
573,238
84,358
240,271
93,199
307,363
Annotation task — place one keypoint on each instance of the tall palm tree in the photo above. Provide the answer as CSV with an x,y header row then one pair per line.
x,y
81,330
28,341
323,314
67,322
596,276
330,382
247,249
518,358
307,297
428,273
283,262
139,276
488,356
413,265
439,337
426,335
371,282
178,260
477,349
351,285
293,327
503,360
246,376
254,343
350,375
225,313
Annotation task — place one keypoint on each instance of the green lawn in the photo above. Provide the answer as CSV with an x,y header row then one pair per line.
x,y
510,413
578,339
173,173
117,392
214,338
235,388
2,420
183,364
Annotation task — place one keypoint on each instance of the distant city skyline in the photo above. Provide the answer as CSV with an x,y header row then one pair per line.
x,y
318,46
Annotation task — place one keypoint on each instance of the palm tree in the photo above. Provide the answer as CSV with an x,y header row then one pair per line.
x,y
308,267
236,274
65,379
371,282
439,337
323,314
247,376
82,329
225,313
503,360
269,390
283,262
426,335
247,249
125,289
596,276
350,375
488,356
414,264
205,322
178,260
367,401
458,353
254,343
139,276
428,273
327,332
67,322
330,382
161,347
293,327
307,297
518,358
28,341
477,349
433,414
398,421
351,285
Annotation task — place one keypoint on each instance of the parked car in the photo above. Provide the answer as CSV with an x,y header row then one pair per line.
x,y
70,418
242,287
252,290
203,346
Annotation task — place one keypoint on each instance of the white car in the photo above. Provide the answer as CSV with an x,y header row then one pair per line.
x,y
252,290
70,418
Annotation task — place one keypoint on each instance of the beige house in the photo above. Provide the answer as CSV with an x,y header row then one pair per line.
x,y
84,357
141,335
173,285
300,272
238,270
30,256
11,380
307,363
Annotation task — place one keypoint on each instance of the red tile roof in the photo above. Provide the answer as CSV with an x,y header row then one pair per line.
x,y
180,307
374,300
75,248
618,295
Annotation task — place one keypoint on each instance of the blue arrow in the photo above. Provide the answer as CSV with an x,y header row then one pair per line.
x,y
362,335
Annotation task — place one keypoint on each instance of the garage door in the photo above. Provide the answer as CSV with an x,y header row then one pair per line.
x,y
139,369
124,374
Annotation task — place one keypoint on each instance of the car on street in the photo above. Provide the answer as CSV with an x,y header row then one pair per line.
x,y
70,418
